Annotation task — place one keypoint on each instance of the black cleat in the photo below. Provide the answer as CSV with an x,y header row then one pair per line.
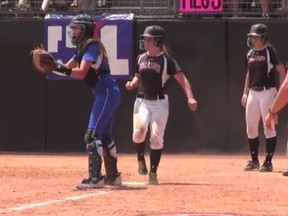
x,y
90,183
153,180
142,168
252,165
115,180
266,167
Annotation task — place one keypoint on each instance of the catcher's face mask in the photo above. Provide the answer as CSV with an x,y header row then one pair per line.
x,y
76,33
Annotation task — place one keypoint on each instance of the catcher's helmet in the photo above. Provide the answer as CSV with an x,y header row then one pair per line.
x,y
81,26
259,30
156,32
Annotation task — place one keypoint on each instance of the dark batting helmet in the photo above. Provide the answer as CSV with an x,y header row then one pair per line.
x,y
156,32
81,26
258,30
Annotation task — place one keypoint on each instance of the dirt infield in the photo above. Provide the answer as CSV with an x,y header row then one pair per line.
x,y
189,185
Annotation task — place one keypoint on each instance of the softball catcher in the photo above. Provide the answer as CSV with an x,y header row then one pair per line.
x,y
90,64
153,69
259,92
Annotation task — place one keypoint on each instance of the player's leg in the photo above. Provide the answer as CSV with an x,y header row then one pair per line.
x,y
270,135
103,107
285,171
112,176
252,116
141,119
94,149
159,118
112,99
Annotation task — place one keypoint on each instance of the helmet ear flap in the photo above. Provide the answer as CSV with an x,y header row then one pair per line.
x,y
249,43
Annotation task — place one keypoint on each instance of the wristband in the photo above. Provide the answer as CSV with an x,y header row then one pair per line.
x,y
63,69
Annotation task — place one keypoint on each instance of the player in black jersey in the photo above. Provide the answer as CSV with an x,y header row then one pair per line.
x,y
259,92
151,107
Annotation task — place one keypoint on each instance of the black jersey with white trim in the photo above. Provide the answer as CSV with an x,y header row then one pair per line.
x,y
154,71
261,66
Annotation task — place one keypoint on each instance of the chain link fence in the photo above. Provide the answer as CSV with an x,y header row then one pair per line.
x,y
145,8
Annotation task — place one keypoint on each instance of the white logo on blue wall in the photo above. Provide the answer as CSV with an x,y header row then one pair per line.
x,y
58,43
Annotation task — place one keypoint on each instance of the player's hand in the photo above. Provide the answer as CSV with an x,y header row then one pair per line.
x,y
129,85
192,103
271,120
244,100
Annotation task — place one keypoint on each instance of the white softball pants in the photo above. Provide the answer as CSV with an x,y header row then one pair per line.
x,y
257,106
154,113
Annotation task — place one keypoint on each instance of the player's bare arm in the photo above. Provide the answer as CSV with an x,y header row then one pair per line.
x,y
72,63
246,90
280,101
80,72
185,84
133,83
282,72
74,71
281,98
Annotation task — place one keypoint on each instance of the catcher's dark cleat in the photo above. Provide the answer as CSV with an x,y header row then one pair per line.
x,y
142,168
266,167
90,183
114,181
252,165
153,178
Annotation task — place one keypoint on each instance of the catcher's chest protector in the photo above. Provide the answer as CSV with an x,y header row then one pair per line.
x,y
92,76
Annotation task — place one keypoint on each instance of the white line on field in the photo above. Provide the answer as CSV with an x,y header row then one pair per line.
x,y
134,183
49,202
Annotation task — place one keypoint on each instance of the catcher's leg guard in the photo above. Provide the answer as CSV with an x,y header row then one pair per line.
x,y
110,164
95,151
95,178
112,175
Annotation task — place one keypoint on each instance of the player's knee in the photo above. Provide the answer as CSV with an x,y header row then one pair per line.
x,y
95,147
139,136
269,133
252,132
93,144
89,136
109,147
156,142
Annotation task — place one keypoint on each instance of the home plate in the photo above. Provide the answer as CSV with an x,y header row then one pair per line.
x,y
134,183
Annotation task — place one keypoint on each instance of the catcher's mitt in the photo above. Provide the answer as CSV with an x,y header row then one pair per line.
x,y
43,61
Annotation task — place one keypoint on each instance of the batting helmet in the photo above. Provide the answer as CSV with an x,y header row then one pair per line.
x,y
81,26
156,32
259,30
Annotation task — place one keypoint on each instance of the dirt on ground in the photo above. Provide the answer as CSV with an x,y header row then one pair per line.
x,y
190,184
